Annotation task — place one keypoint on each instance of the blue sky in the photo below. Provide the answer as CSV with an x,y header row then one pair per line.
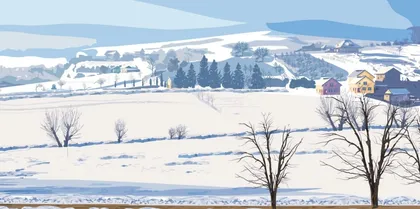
x,y
191,14
127,13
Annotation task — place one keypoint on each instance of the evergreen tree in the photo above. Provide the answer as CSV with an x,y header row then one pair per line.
x,y
227,76
238,80
161,79
214,81
257,81
157,81
180,79
203,75
191,77
150,82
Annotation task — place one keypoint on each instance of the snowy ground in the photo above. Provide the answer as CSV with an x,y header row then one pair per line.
x,y
198,164
28,61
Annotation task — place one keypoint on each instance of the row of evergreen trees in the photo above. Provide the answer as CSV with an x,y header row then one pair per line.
x,y
211,76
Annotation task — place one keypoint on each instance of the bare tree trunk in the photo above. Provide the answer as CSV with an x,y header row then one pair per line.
x,y
57,140
374,193
341,123
396,123
332,124
273,198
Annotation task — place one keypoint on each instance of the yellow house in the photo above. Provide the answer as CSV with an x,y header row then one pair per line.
x,y
169,83
361,81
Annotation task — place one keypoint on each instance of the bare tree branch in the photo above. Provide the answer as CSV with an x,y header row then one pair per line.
x,y
120,130
51,125
267,167
360,159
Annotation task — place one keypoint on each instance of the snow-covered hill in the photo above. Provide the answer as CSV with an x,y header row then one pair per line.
x,y
406,59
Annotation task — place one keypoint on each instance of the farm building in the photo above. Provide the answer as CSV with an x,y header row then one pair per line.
x,y
397,95
328,86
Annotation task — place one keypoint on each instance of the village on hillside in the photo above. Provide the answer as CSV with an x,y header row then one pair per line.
x,y
386,85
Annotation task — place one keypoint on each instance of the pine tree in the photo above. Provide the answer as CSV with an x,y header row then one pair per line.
x,y
161,80
257,81
191,77
203,75
227,77
157,81
214,81
238,80
150,82
180,79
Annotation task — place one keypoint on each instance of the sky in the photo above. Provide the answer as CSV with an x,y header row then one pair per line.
x,y
126,13
193,14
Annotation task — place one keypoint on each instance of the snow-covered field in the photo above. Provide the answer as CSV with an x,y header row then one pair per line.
x,y
206,159
147,168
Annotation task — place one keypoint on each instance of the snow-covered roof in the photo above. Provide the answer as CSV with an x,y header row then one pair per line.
x,y
397,91
347,44
355,73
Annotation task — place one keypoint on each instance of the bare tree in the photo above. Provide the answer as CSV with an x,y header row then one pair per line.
x,y
361,159
120,130
61,83
100,81
51,125
404,114
172,133
411,165
151,64
67,121
269,167
329,112
399,49
260,53
181,131
70,125
239,49
39,86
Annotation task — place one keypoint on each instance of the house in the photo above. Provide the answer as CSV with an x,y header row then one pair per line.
x,y
328,86
312,47
397,95
112,55
361,81
362,85
360,74
130,70
388,75
347,46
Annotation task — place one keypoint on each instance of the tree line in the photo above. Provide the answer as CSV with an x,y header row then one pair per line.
x,y
210,76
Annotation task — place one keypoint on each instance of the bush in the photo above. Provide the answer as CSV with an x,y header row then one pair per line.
x,y
275,82
302,82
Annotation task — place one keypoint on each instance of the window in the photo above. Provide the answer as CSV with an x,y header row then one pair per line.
x,y
331,85
364,88
365,83
369,88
